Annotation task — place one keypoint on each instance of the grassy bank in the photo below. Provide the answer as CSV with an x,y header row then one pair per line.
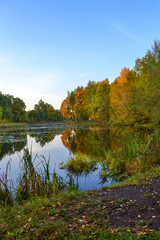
x,y
46,206
88,215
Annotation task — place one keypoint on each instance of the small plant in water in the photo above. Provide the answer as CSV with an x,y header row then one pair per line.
x,y
80,164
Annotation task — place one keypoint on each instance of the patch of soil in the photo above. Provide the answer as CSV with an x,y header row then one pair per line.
x,y
134,205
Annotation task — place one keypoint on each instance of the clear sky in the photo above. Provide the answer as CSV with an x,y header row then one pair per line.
x,y
50,46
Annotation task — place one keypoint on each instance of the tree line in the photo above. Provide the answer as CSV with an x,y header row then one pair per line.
x,y
133,97
13,109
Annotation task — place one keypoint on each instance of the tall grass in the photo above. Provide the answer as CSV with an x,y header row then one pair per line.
x,y
5,188
137,154
34,180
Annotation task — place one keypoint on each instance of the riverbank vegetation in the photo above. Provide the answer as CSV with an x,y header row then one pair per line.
x,y
118,152
44,205
133,98
35,180
126,211
137,153
12,109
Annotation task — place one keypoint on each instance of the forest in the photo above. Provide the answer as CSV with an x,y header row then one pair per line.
x,y
12,109
133,97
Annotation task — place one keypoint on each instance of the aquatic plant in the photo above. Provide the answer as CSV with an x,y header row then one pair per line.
x,y
5,188
34,180
80,164
38,180
138,152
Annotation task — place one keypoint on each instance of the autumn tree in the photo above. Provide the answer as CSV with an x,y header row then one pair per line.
x,y
65,109
119,97
81,105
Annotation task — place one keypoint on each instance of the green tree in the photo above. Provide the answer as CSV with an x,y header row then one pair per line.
x,y
72,101
44,112
18,110
100,103
31,115
5,103
152,102
91,91
147,82
0,113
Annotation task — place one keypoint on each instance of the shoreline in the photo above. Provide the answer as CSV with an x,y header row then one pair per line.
x,y
125,211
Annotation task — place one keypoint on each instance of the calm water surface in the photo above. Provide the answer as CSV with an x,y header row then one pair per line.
x,y
57,142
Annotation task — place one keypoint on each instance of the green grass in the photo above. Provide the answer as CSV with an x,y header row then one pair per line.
x,y
139,178
63,217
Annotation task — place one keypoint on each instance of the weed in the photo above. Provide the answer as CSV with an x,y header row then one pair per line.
x,y
148,194
143,223
143,208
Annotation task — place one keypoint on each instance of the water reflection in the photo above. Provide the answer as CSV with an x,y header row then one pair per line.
x,y
60,142
42,137
10,143
93,141
90,140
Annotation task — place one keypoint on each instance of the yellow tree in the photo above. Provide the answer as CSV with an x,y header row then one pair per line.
x,y
119,98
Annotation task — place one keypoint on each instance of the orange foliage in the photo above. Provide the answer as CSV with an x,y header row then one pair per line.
x,y
123,76
81,139
81,105
119,96
65,108
65,138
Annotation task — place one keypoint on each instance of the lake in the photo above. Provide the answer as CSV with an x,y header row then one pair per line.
x,y
58,142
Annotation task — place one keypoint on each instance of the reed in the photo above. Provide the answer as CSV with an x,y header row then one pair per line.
x,y
5,188
35,180
136,154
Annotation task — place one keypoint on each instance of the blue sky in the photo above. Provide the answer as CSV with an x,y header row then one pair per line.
x,y
50,46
